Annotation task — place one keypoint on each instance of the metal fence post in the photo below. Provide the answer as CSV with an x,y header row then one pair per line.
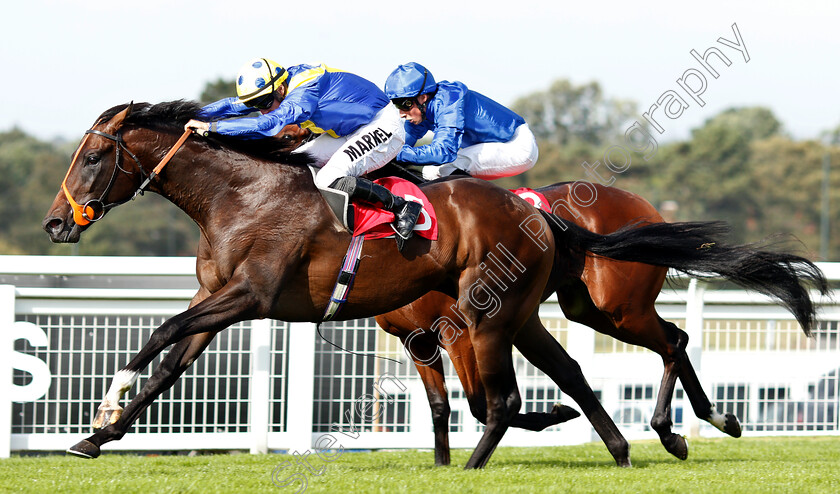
x,y
7,320
301,385
694,350
260,384
580,344
421,418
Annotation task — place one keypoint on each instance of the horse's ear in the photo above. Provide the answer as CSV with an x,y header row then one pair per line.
x,y
117,121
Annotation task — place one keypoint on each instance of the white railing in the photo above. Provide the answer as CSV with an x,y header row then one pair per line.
x,y
71,322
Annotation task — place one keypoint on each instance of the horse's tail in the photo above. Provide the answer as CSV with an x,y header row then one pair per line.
x,y
699,249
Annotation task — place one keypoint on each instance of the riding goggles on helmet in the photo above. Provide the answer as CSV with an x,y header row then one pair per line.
x,y
263,102
404,104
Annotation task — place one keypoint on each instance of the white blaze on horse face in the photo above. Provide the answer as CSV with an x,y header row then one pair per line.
x,y
123,381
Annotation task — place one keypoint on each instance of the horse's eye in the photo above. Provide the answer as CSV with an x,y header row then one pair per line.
x,y
92,159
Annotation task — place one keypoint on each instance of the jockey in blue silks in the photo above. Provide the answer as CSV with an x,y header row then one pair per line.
x,y
472,132
360,131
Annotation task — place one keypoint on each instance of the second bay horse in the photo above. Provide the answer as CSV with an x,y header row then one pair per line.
x,y
614,298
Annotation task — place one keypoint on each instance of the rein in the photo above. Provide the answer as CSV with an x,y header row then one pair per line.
x,y
95,209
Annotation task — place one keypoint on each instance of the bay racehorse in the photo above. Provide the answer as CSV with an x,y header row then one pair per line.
x,y
269,248
614,298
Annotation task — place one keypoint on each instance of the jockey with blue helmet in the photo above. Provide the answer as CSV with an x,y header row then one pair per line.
x,y
472,132
360,131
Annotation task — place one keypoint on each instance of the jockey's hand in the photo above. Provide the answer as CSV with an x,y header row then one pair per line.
x,y
199,127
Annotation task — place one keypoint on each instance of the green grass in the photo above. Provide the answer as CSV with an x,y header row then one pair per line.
x,y
784,465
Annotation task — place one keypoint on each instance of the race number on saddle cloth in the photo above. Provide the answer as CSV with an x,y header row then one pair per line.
x,y
373,222
533,197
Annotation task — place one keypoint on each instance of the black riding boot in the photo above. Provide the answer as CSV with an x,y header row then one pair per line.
x,y
406,212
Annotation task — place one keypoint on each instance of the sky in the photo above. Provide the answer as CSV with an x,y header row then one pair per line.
x,y
65,62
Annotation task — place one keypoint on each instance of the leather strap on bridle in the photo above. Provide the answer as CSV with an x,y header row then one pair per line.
x,y
163,162
87,213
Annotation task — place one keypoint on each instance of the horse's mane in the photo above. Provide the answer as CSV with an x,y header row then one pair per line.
x,y
171,116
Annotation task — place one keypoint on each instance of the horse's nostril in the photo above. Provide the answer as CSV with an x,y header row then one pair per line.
x,y
53,225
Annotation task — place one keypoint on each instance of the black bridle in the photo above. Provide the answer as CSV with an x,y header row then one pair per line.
x,y
99,204
95,209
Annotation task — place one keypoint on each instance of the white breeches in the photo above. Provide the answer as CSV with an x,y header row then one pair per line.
x,y
492,160
371,147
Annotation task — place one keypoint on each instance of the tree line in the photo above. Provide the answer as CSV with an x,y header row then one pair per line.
x,y
739,166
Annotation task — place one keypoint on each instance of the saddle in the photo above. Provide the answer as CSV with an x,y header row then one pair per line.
x,y
339,203
365,219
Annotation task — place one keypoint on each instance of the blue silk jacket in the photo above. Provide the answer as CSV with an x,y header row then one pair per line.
x,y
459,118
319,98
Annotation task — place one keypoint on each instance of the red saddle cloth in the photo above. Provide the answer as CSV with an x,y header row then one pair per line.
x,y
535,198
376,223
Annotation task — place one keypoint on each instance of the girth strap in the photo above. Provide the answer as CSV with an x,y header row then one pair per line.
x,y
345,277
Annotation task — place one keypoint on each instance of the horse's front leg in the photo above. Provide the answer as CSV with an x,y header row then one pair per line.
x,y
544,352
426,355
463,360
109,410
231,304
178,360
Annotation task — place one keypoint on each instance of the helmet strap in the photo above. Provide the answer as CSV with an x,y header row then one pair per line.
x,y
422,106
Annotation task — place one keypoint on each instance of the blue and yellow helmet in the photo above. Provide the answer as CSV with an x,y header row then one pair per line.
x,y
409,81
259,77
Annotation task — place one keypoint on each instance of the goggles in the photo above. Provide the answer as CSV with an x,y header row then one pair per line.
x,y
263,102
404,104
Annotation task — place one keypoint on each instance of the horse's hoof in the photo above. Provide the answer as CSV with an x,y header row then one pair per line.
x,y
106,416
564,413
84,449
732,426
676,445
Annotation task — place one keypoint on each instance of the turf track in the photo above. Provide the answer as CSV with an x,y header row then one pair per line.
x,y
748,465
